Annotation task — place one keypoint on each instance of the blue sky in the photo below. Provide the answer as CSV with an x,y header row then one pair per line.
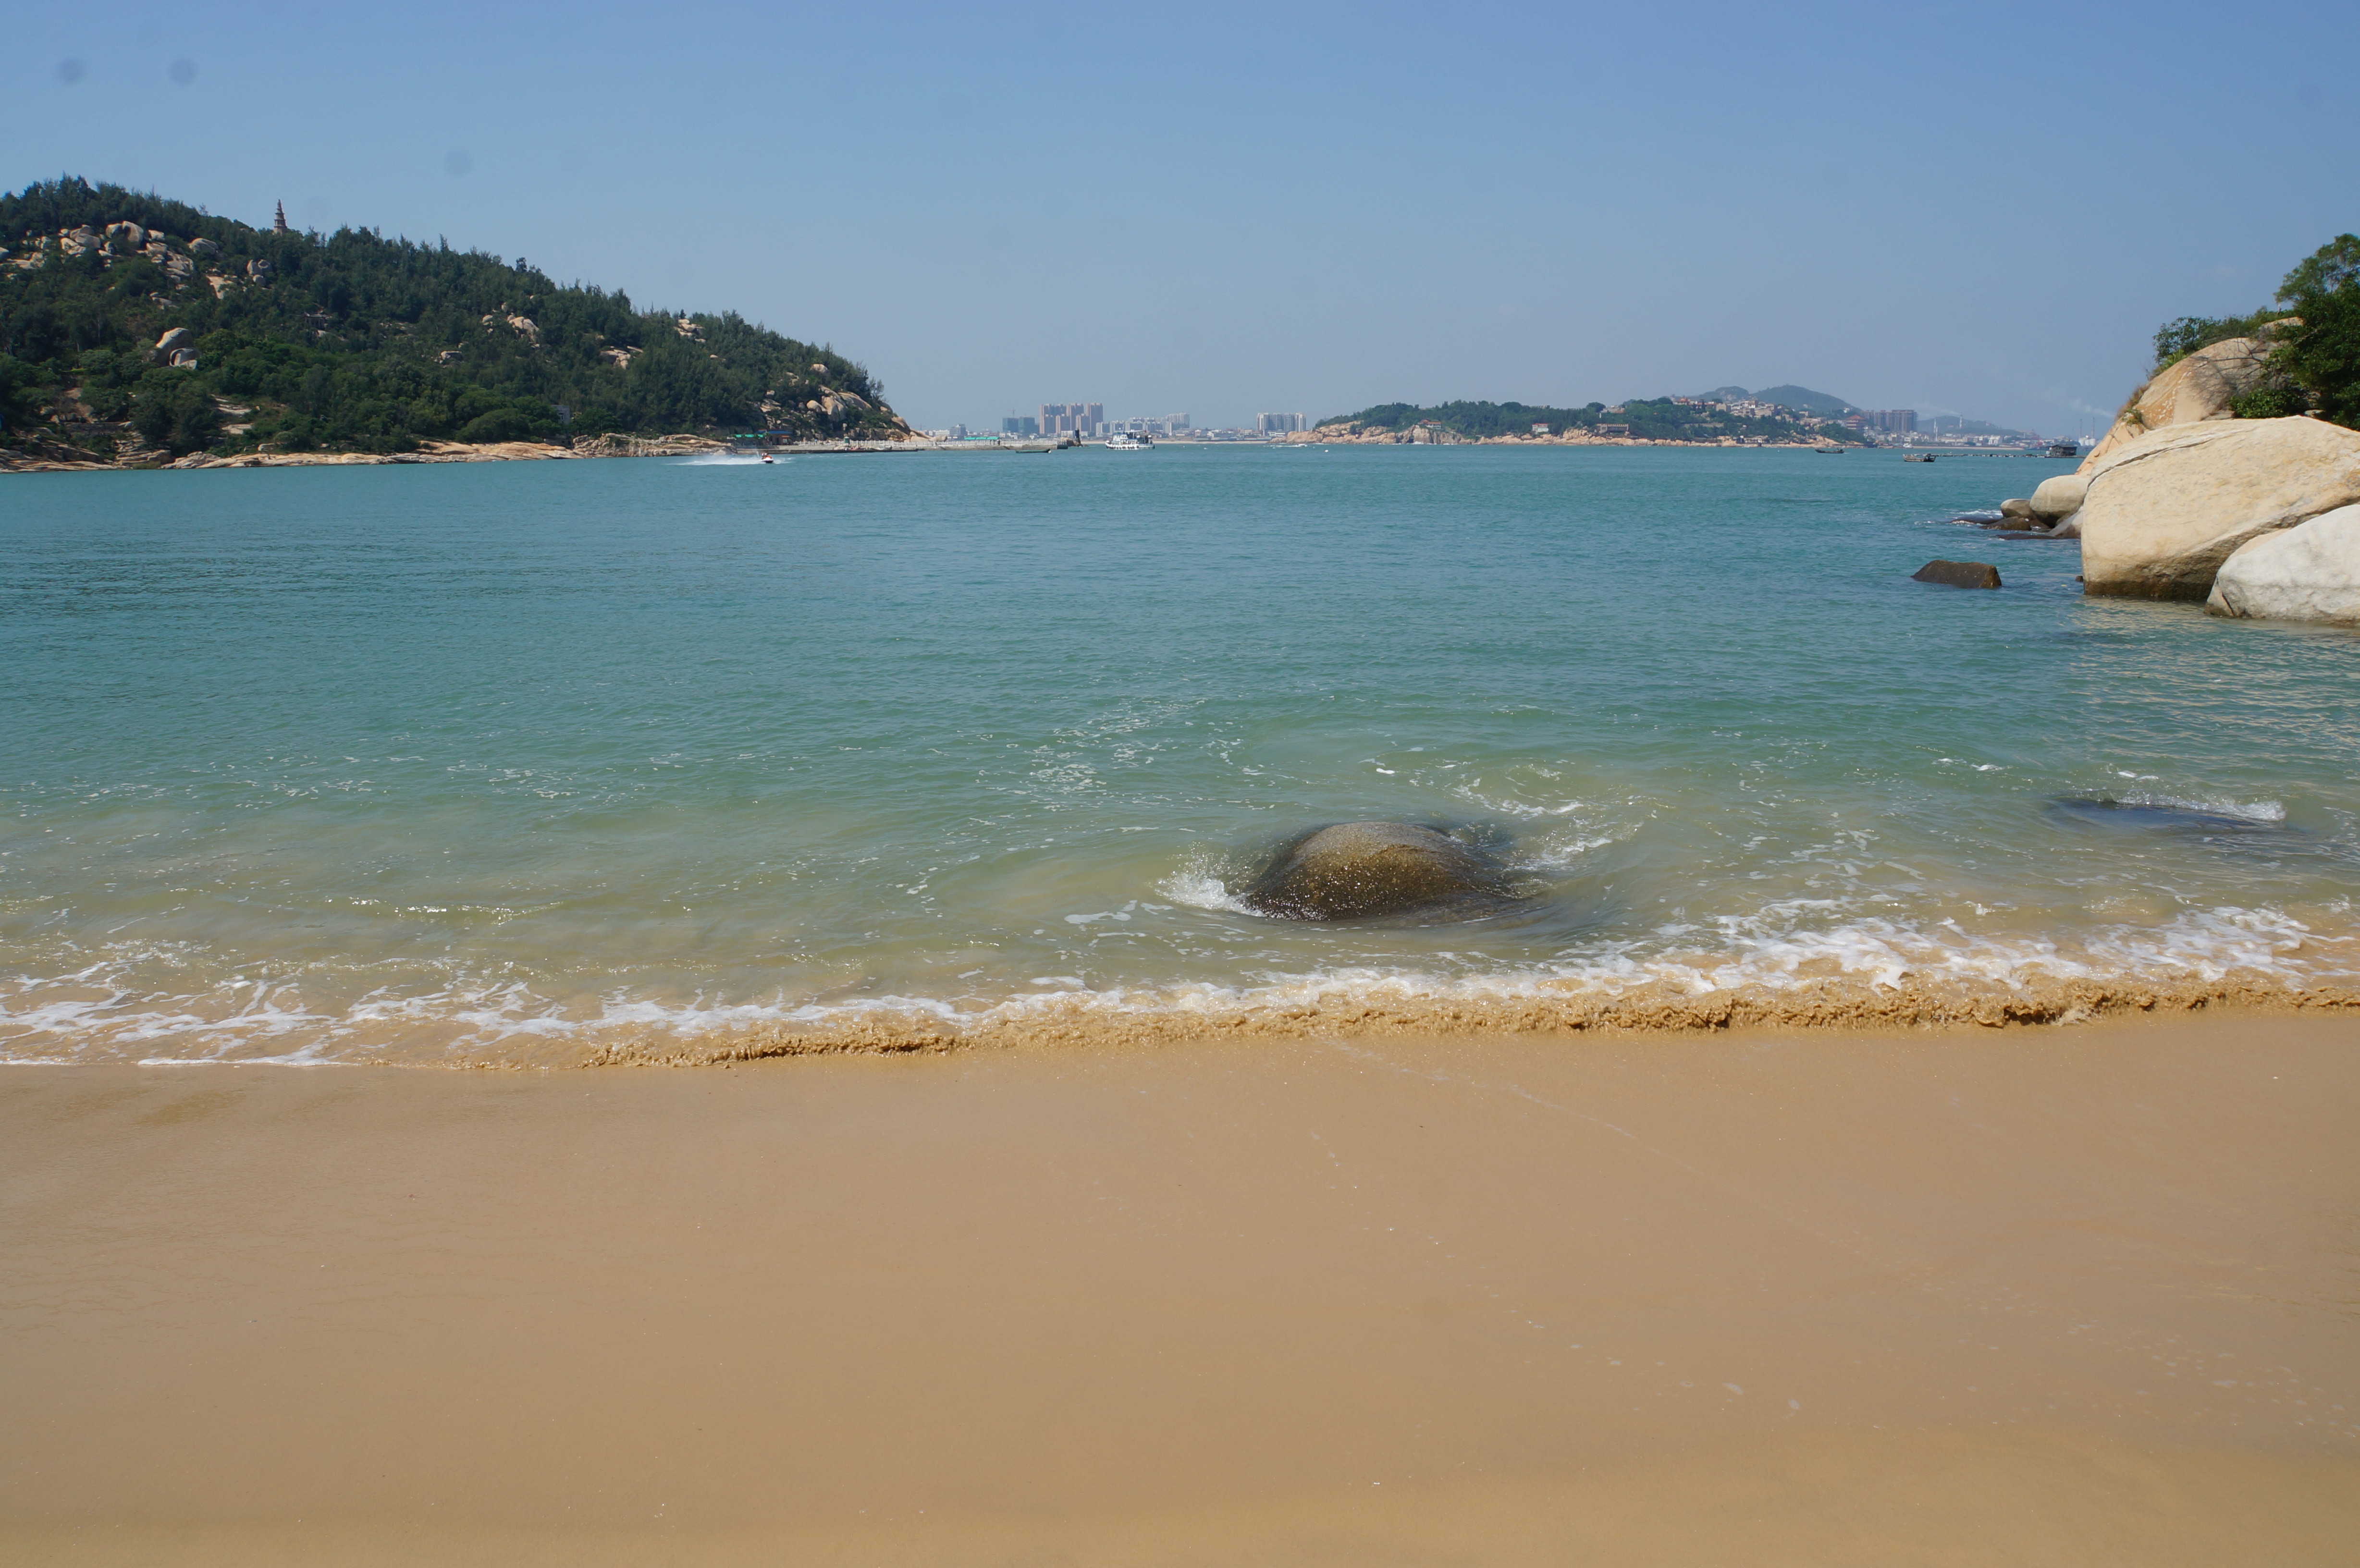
x,y
1976,207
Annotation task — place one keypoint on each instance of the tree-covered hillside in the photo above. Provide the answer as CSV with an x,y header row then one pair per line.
x,y
1651,419
350,341
2314,364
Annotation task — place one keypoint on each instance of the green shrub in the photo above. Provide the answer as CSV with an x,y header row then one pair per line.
x,y
499,425
173,410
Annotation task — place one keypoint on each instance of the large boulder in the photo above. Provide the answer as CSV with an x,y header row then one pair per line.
x,y
172,342
2308,572
2188,391
2163,513
1357,869
2060,495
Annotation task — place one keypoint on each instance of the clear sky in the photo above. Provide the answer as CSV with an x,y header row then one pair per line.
x,y
1984,209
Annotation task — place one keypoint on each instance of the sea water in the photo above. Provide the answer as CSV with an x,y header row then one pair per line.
x,y
510,761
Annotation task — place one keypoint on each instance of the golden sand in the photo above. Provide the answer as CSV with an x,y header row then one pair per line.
x,y
2079,1295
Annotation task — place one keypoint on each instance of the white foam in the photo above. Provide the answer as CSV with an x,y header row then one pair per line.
x,y
1199,885
2217,805
1778,947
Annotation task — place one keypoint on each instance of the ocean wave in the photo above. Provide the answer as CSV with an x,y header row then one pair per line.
x,y
1199,884
1774,966
2212,805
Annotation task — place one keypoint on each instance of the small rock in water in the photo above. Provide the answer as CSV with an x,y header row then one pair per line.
x,y
2157,816
1355,869
1959,573
2017,507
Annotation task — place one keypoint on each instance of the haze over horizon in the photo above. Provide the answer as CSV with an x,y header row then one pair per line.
x,y
1984,211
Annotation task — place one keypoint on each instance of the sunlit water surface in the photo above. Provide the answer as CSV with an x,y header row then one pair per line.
x,y
418,762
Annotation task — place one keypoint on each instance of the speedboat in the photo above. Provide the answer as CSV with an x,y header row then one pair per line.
x,y
1126,440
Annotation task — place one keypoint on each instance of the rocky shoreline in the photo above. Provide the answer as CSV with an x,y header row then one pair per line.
x,y
2253,518
55,457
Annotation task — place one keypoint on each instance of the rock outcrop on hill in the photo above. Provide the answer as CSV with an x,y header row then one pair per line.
x,y
2162,513
2190,391
2308,572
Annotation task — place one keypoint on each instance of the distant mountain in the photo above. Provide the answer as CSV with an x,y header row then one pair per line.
x,y
1808,401
1800,398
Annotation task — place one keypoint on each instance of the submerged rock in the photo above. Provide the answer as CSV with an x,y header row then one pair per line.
x,y
2163,513
1957,573
2308,572
1357,869
2161,816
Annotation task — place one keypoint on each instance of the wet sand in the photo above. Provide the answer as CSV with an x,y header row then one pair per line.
x,y
2084,1295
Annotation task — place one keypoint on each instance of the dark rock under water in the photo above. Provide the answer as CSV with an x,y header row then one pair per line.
x,y
1357,871
2155,817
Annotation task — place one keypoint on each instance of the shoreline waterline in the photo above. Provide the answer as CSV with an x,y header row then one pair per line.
x,y
1085,1025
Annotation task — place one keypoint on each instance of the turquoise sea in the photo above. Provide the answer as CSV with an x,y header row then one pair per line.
x,y
508,761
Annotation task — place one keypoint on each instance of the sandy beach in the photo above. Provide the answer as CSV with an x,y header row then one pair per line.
x,y
2076,1295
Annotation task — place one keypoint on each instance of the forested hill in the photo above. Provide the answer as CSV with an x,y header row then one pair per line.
x,y
352,340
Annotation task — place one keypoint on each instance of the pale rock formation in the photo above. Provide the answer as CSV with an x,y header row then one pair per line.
x,y
173,342
2187,392
2308,572
2060,495
2163,512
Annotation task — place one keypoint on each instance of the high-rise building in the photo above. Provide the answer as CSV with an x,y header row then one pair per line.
x,y
1899,421
1072,418
1019,425
1279,424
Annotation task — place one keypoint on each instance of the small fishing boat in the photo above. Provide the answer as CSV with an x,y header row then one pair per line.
x,y
1828,451
2065,449
1919,457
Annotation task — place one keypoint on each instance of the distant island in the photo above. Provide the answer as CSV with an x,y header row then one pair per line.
x,y
1726,416
1715,419
136,330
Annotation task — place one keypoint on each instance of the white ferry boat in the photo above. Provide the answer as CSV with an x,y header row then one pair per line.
x,y
1126,440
